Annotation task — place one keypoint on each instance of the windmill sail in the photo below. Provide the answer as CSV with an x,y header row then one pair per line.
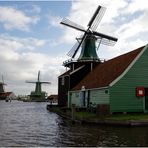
x,y
38,75
105,41
83,38
96,18
73,25
73,49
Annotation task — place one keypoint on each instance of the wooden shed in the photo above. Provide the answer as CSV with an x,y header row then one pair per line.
x,y
118,85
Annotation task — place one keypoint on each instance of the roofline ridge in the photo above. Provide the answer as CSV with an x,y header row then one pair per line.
x,y
126,53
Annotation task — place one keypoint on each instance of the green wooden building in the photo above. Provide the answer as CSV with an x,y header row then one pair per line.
x,y
117,85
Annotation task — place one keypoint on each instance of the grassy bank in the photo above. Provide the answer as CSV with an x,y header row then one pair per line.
x,y
91,116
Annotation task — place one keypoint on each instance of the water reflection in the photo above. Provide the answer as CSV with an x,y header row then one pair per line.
x,y
30,124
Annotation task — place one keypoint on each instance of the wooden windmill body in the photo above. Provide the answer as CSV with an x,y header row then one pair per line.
x,y
88,58
3,93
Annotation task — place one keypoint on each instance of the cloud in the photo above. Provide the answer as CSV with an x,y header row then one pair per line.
x,y
19,63
15,19
16,43
54,21
36,9
136,5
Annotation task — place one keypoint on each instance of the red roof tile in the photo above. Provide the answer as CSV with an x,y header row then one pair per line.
x,y
108,71
5,94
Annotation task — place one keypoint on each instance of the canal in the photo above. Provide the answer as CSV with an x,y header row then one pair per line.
x,y
30,124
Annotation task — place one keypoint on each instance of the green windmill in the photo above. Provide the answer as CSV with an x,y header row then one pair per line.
x,y
88,59
90,37
38,95
2,90
2,86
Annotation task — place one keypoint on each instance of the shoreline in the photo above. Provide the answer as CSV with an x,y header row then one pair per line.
x,y
100,120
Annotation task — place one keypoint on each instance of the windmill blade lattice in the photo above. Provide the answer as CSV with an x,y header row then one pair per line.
x,y
73,49
30,82
75,46
3,83
97,17
46,82
105,36
83,38
71,24
106,41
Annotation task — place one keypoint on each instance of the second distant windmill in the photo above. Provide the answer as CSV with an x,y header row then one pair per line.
x,y
38,95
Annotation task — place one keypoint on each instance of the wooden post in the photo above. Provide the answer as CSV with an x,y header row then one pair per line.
x,y
73,110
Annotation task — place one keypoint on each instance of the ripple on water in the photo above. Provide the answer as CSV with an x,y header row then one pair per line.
x,y
29,124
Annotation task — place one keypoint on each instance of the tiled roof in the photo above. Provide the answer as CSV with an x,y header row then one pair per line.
x,y
108,71
5,94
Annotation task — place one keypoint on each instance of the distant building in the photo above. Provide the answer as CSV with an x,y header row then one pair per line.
x,y
7,96
53,98
117,85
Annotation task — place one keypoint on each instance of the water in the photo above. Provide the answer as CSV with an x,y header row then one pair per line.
x,y
30,124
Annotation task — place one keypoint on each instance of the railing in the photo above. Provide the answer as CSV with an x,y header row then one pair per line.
x,y
74,60
69,61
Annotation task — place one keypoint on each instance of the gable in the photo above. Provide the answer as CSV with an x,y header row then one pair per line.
x,y
131,65
123,96
107,72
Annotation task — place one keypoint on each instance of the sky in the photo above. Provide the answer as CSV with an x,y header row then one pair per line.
x,y
32,38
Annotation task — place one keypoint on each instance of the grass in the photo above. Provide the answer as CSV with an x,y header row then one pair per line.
x,y
84,115
127,117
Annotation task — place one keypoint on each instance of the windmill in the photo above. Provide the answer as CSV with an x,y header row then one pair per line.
x,y
2,90
38,94
3,94
89,37
88,58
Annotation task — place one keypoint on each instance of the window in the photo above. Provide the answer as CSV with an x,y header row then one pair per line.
x,y
62,80
106,91
140,91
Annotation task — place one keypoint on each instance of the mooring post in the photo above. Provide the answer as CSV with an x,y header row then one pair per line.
x,y
73,110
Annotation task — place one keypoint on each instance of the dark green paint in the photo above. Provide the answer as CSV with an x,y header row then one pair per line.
x,y
88,51
123,95
38,95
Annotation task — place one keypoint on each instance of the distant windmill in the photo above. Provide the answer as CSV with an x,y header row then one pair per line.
x,y
89,37
2,89
38,94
